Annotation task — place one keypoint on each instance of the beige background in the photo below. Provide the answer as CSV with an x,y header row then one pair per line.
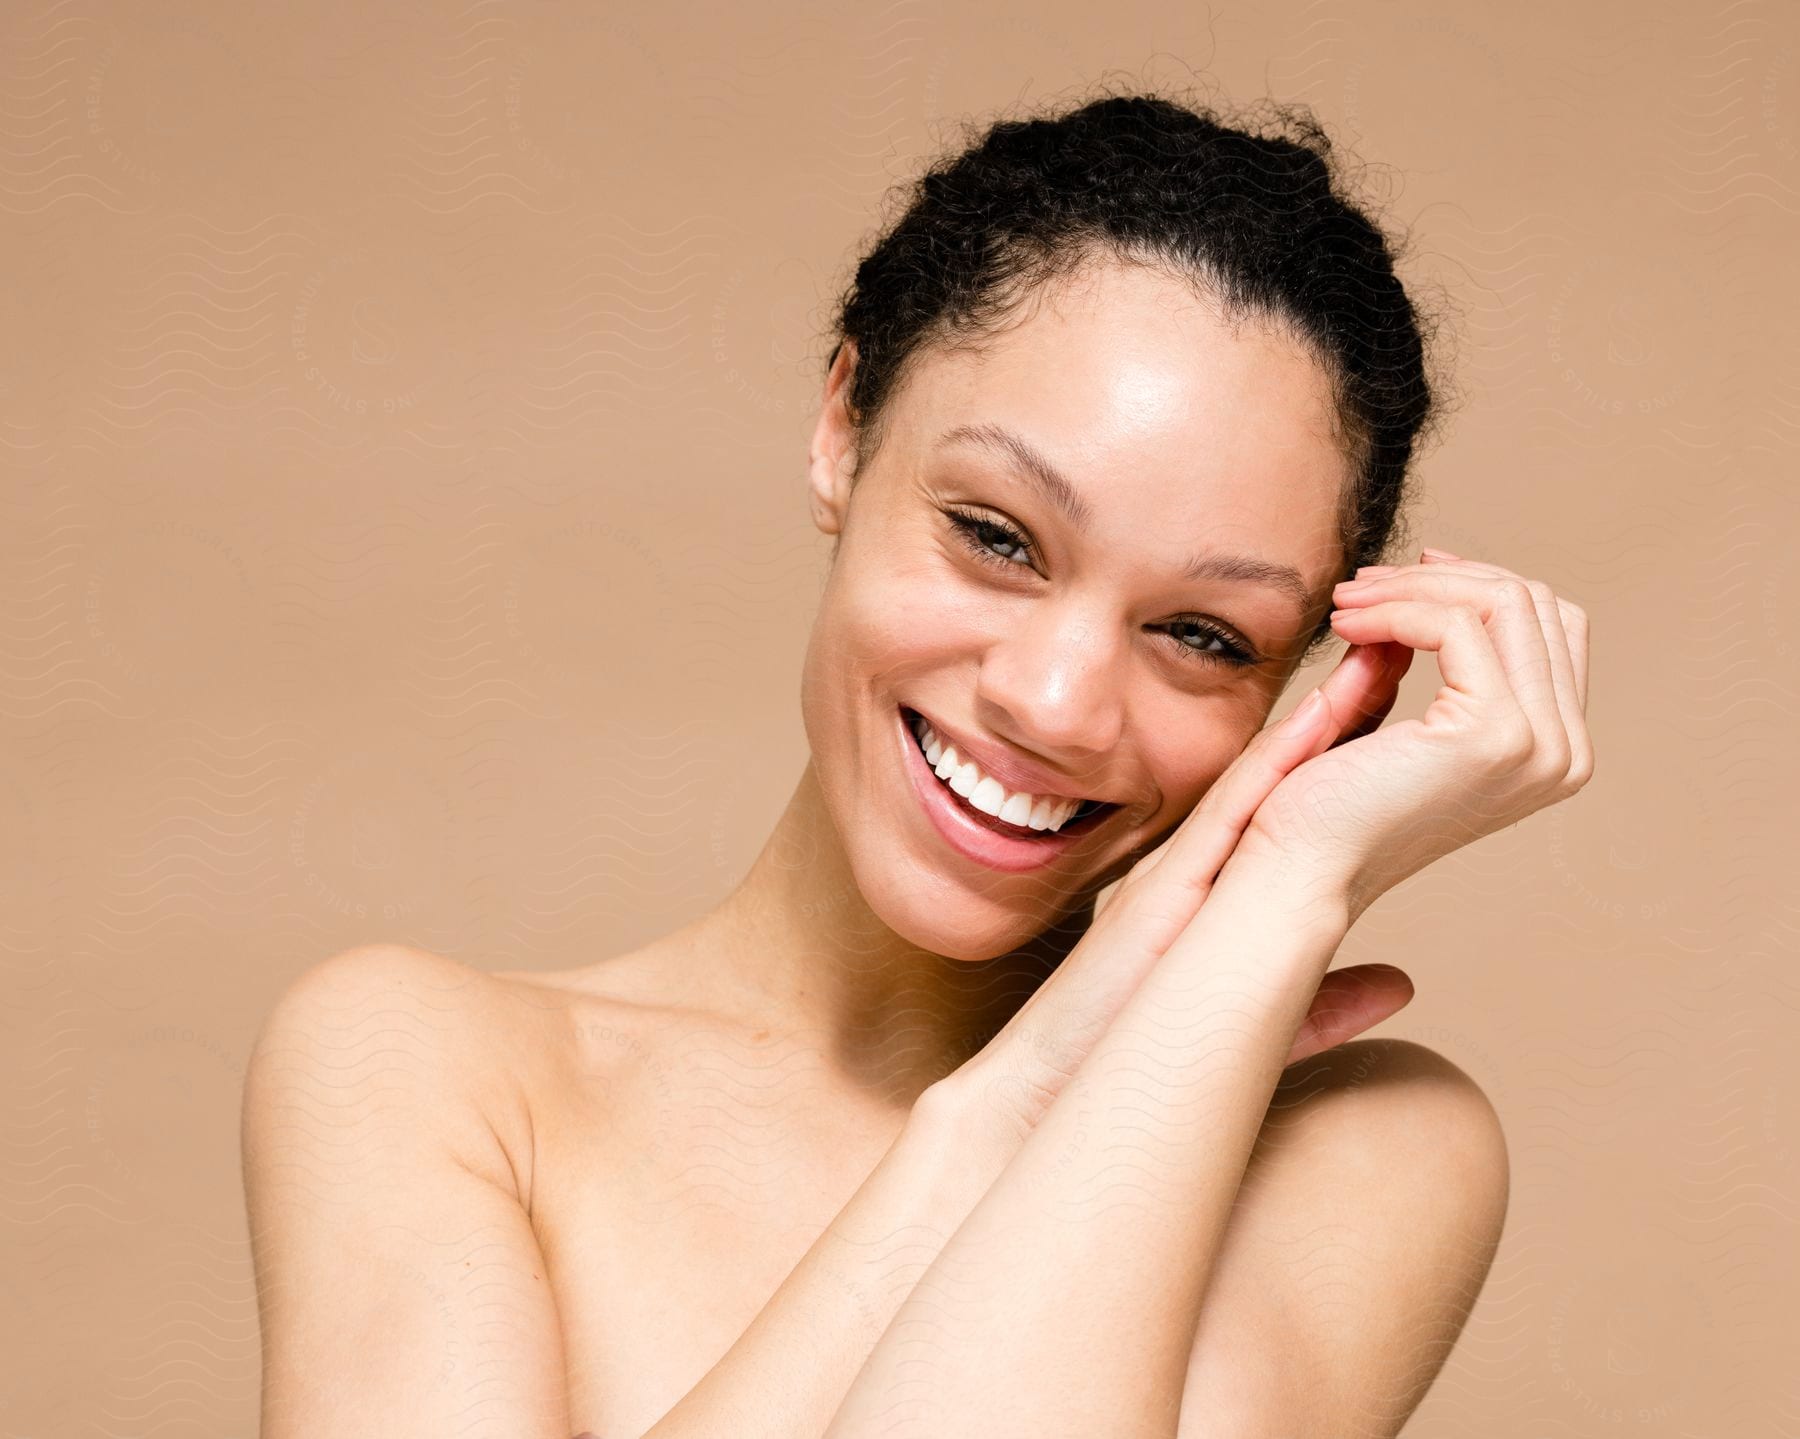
x,y
403,409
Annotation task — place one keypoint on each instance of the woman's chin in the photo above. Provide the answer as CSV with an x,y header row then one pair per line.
x,y
975,952
970,934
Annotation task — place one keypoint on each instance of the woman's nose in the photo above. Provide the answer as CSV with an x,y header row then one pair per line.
x,y
1052,686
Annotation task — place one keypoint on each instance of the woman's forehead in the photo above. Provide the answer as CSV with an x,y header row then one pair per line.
x,y
1189,419
1131,354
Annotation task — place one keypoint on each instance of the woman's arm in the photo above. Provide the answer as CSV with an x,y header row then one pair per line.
x,y
788,1373
1067,1302
399,1284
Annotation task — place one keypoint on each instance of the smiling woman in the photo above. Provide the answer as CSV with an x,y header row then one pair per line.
x,y
912,1133
1118,518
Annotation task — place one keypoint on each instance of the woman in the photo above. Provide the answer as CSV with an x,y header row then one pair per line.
x,y
927,1128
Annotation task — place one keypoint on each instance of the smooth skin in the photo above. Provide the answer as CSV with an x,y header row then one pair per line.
x,y
1128,1177
1121,1190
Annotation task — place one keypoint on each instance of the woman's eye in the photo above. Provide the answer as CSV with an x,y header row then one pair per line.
x,y
990,540
997,543
1206,641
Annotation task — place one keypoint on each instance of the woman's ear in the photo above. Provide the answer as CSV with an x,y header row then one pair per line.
x,y
832,453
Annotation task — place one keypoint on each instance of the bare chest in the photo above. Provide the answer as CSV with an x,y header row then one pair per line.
x,y
672,1209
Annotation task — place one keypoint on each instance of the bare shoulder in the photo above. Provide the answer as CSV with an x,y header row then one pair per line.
x,y
1367,1220
400,1284
1404,1097
415,1022
506,1057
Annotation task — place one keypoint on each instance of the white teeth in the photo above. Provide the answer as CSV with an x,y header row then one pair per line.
x,y
987,794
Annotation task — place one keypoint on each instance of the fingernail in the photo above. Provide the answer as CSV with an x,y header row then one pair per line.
x,y
1431,554
1307,711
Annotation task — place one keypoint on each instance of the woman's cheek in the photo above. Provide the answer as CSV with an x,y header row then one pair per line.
x,y
921,612
1191,770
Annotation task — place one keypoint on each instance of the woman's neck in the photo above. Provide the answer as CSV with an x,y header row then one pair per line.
x,y
796,948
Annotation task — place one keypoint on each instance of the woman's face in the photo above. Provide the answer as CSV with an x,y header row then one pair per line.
x,y
1089,557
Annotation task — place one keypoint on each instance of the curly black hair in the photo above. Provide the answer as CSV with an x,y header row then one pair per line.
x,y
1253,210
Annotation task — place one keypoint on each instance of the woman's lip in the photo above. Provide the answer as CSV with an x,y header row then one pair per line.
x,y
1078,826
966,834
1009,771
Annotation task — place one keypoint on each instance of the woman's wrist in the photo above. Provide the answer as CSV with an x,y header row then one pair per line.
x,y
955,1145
1321,896
974,1120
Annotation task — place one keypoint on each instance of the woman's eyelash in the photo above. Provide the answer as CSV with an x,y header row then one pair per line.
x,y
980,533
973,527
1230,650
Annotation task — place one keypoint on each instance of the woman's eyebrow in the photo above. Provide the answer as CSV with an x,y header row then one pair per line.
x,y
1029,463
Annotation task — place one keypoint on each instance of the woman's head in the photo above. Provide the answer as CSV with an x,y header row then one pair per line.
x,y
1206,343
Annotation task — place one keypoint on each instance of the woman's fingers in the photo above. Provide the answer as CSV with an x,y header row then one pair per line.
x,y
1505,603
1386,664
1358,695
1204,840
1042,1043
1575,625
1562,621
1350,1001
1456,632
1510,614
1565,627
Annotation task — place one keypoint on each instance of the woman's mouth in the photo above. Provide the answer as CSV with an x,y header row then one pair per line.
x,y
1034,829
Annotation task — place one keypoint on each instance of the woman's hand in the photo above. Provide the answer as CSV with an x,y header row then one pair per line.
x,y
1025,1065
1505,736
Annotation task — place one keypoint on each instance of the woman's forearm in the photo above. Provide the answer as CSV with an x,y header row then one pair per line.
x,y
792,1368
787,1373
1068,1301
